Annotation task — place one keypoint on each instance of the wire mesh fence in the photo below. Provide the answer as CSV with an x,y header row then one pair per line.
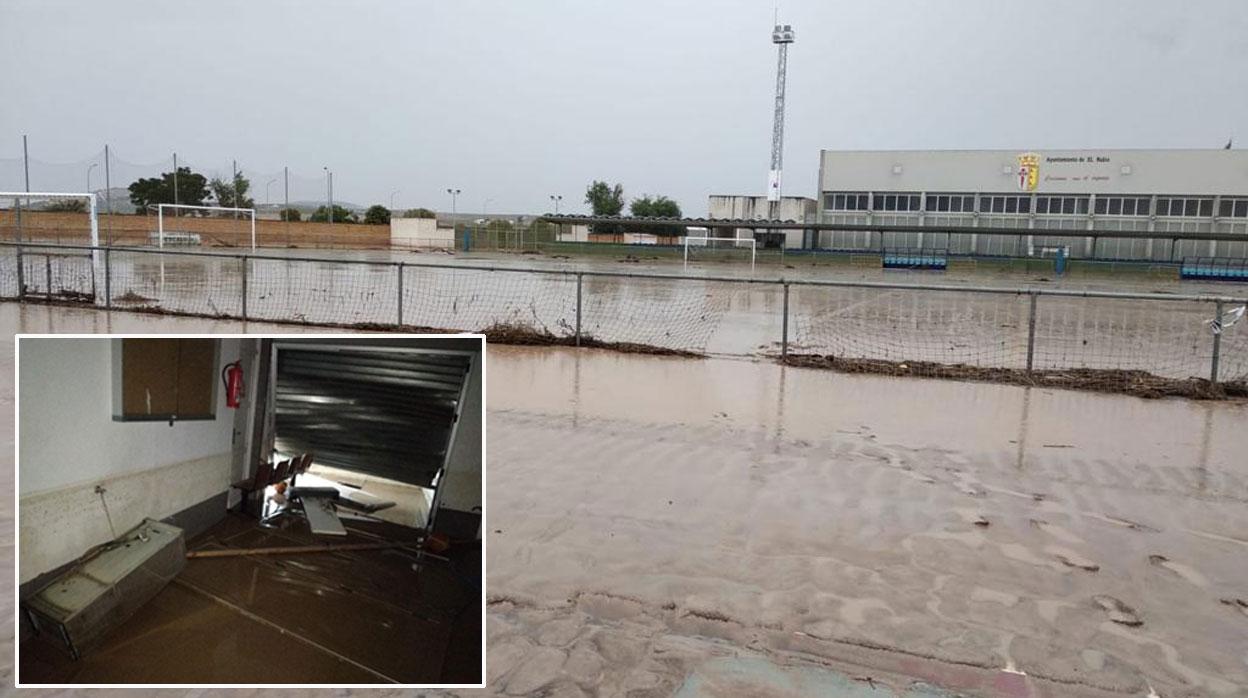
x,y
954,331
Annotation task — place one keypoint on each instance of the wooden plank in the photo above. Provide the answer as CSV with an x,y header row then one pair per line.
x,y
149,368
197,376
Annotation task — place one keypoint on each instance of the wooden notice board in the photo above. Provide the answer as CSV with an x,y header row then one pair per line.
x,y
168,378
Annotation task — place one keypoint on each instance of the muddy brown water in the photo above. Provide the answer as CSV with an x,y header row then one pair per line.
x,y
647,514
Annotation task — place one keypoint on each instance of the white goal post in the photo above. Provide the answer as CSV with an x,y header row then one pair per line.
x,y
160,218
738,243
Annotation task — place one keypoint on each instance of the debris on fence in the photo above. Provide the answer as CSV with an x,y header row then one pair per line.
x,y
514,333
1128,382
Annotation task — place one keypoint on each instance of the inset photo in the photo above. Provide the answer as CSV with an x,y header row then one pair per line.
x,y
275,510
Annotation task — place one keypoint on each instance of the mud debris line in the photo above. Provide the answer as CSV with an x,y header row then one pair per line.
x,y
1123,381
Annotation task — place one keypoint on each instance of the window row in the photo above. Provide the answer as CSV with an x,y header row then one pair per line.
x,y
951,203
1022,204
1061,204
1233,208
1181,206
895,202
845,202
1122,205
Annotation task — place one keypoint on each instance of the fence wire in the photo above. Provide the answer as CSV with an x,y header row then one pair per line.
x,y
1162,335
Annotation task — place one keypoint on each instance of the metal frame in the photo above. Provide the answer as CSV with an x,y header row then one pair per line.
x,y
160,219
278,345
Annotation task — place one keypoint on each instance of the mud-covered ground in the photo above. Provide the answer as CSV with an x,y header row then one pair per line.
x,y
664,525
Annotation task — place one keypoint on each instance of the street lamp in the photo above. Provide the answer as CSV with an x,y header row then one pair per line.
x,y
329,196
266,190
556,198
454,193
92,167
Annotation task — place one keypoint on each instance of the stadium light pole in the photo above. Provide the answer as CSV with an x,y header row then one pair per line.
x,y
266,190
556,198
92,167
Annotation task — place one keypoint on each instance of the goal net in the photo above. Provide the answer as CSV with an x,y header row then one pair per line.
x,y
184,224
46,237
719,249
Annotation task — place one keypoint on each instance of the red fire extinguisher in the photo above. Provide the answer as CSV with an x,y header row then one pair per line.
x,y
232,376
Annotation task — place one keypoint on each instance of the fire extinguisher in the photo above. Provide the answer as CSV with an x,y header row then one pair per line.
x,y
232,376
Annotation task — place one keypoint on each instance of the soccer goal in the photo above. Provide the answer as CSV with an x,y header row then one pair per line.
x,y
712,248
54,226
172,236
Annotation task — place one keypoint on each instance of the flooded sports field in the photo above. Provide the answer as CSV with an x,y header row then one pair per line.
x,y
725,526
996,321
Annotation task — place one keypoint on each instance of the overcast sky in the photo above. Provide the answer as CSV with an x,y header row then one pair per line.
x,y
515,101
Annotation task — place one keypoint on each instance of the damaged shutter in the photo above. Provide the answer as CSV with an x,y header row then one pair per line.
x,y
383,413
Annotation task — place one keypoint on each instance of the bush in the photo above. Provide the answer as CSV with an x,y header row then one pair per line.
x,y
377,215
419,213
291,214
341,215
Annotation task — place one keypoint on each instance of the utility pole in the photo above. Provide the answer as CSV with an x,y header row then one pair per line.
x,y
286,198
108,195
781,36
329,196
175,184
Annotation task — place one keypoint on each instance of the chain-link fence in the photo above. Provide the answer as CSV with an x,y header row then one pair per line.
x,y
973,332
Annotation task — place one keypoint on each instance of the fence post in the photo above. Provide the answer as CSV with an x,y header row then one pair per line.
x,y
108,280
400,298
1031,332
47,267
1217,342
784,335
579,277
244,261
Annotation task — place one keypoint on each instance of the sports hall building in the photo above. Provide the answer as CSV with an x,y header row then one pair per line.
x,y
1168,192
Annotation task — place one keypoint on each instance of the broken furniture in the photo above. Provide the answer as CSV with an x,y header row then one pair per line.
x,y
268,473
318,508
107,585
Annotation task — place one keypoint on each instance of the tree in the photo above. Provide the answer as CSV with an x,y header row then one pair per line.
x,y
341,215
657,207
419,213
377,215
291,214
67,206
232,194
605,200
149,191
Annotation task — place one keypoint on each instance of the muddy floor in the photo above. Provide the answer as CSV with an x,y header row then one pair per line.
x,y
662,526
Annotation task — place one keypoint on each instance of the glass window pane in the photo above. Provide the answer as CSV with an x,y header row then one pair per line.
x,y
1011,204
1206,207
1100,205
1068,205
1083,206
1224,209
1241,209
948,203
1115,206
1128,207
1189,207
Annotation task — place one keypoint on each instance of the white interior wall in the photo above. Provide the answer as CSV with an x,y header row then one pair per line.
x,y
69,443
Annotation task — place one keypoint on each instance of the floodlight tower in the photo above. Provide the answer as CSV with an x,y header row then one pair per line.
x,y
781,36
